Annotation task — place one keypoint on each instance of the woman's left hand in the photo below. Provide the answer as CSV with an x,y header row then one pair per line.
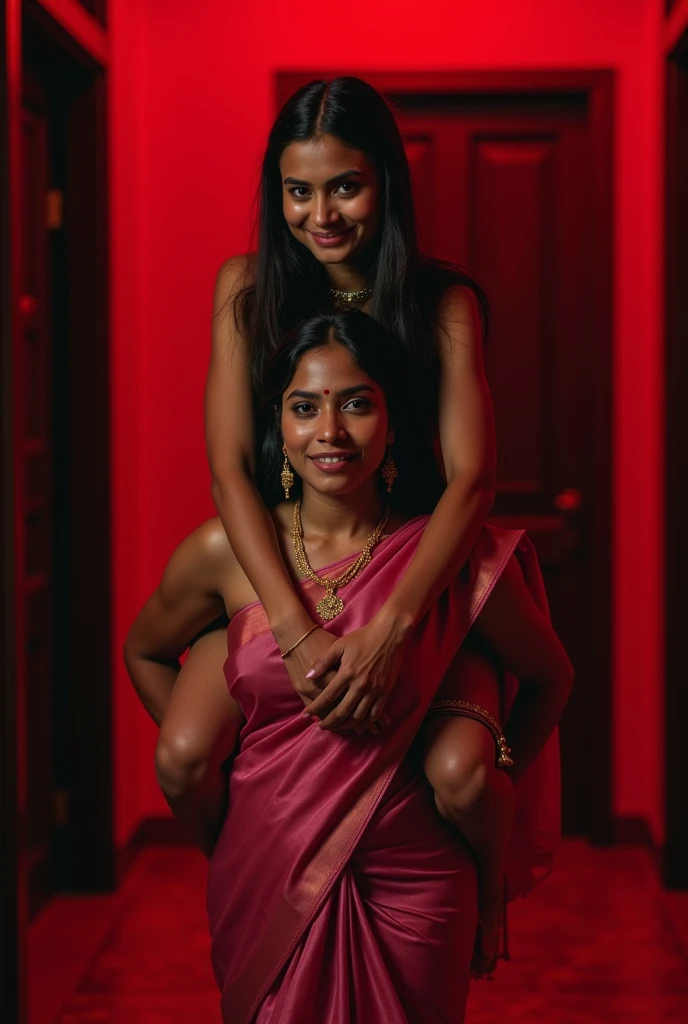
x,y
369,661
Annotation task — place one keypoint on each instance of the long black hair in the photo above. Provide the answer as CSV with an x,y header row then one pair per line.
x,y
419,485
290,284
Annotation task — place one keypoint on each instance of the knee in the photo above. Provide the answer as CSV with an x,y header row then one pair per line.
x,y
180,765
461,784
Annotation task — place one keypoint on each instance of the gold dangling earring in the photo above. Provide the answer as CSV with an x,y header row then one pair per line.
x,y
389,469
286,476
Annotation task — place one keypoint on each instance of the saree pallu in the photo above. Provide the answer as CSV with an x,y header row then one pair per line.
x,y
336,893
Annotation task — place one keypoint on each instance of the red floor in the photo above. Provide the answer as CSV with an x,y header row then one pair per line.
x,y
598,942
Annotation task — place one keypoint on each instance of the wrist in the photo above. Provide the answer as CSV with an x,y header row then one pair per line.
x,y
397,622
286,629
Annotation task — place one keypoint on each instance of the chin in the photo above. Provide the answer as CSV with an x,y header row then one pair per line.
x,y
335,488
332,257
341,255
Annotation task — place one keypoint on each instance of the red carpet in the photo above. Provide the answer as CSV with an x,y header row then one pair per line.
x,y
598,942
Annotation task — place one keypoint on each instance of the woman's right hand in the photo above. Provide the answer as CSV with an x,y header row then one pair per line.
x,y
300,660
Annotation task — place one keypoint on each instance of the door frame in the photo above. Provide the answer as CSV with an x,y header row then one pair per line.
x,y
14,889
675,854
79,38
597,88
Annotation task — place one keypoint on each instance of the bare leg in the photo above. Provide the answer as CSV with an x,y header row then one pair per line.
x,y
471,792
198,734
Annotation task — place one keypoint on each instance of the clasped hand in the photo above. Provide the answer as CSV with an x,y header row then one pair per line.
x,y
362,668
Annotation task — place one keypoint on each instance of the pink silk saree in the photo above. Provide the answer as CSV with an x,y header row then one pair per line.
x,y
336,892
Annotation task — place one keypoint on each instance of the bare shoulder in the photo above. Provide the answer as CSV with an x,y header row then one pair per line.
x,y
235,273
458,321
212,543
203,560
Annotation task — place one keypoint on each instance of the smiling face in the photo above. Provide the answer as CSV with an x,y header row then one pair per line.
x,y
334,423
330,199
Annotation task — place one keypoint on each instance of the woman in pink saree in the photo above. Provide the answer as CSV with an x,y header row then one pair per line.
x,y
337,893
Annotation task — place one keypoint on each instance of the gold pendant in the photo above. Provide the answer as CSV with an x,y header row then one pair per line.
x,y
329,606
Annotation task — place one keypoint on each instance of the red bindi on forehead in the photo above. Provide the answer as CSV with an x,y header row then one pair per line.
x,y
327,391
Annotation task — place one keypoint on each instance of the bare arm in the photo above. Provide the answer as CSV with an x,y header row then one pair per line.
x,y
466,426
231,452
247,522
176,612
468,449
523,640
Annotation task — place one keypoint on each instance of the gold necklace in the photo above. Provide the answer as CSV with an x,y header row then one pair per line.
x,y
331,605
362,295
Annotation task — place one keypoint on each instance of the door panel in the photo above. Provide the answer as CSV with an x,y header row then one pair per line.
x,y
510,185
505,190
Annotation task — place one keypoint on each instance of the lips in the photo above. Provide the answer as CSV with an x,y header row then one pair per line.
x,y
332,462
331,240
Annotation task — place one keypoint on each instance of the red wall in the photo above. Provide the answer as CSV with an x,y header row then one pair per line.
x,y
193,89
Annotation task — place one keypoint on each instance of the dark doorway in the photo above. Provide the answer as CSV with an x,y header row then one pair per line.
x,y
56,658
62,390
512,179
676,424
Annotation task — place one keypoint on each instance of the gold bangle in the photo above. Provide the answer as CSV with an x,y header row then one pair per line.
x,y
462,707
299,641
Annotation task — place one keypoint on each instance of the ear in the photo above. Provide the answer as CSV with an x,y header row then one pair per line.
x,y
390,437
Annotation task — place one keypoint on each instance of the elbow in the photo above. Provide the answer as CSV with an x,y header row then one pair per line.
x,y
485,485
220,490
132,661
484,496
487,497
478,486
224,483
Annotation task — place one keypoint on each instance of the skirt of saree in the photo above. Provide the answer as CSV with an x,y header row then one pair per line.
x,y
336,893
394,938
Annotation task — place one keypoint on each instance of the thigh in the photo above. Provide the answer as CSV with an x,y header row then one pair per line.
x,y
202,719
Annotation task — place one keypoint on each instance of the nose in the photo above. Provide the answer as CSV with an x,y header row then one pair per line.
x,y
323,213
332,427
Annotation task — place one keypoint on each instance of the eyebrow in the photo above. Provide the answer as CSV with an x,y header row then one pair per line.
x,y
345,393
330,181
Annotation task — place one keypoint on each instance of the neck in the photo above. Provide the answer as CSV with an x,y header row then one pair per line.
x,y
345,277
345,515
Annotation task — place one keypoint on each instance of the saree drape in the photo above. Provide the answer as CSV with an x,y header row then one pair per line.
x,y
336,893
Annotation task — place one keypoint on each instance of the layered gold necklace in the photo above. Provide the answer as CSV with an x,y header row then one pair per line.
x,y
331,605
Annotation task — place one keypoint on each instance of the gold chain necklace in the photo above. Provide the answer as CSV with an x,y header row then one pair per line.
x,y
331,605
360,296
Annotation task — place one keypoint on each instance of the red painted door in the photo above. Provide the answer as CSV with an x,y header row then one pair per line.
x,y
502,185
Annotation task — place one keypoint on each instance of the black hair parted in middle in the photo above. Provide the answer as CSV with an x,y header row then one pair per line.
x,y
419,485
290,284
